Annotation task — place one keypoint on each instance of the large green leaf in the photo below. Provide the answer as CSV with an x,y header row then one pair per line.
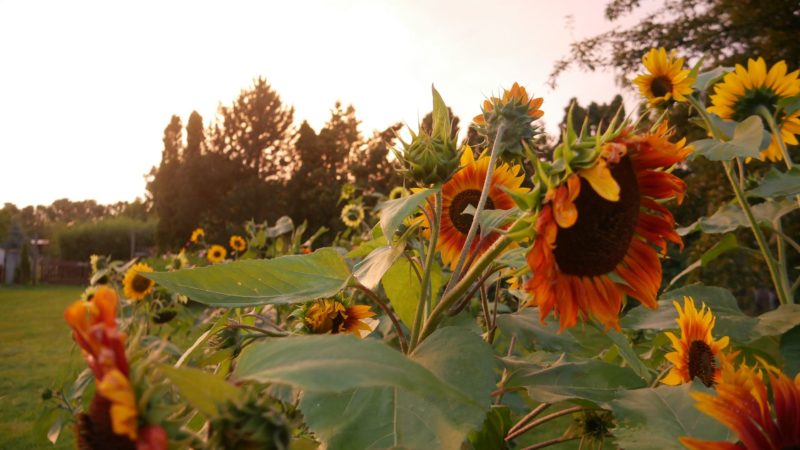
x,y
730,217
393,212
591,380
370,270
654,418
790,350
396,417
746,142
629,355
205,391
402,286
288,279
709,77
533,335
778,184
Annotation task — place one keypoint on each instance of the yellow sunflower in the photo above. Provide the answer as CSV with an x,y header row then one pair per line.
x,y
696,353
464,189
597,230
197,234
332,316
667,79
398,192
742,404
352,215
216,253
238,243
135,286
743,91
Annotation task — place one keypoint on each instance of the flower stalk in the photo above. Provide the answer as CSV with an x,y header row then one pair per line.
x,y
426,276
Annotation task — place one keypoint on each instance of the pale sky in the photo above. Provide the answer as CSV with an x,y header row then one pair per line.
x,y
86,88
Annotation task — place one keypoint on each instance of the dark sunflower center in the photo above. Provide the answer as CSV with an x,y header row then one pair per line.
x,y
140,283
661,86
600,237
338,321
748,104
701,362
459,203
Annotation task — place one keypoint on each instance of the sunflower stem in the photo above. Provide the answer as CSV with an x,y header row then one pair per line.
x,y
772,263
547,418
473,228
426,275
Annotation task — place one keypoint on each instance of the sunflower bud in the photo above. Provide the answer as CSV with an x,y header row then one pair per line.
x,y
515,113
249,424
431,157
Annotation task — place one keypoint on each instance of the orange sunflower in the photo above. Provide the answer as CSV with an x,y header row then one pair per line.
x,y
332,316
597,230
742,405
463,190
696,353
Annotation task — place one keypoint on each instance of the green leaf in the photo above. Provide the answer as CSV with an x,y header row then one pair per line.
x,y
790,350
492,435
654,418
532,334
287,279
402,286
629,355
395,417
746,142
730,217
709,77
492,220
726,244
282,226
592,380
367,247
778,184
370,270
393,212
204,391
790,104
441,117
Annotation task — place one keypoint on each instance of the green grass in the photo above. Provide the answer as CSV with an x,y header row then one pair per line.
x,y
36,352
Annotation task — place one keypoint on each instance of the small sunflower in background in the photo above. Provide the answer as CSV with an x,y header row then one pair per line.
x,y
697,354
238,243
398,192
135,286
352,215
666,80
216,253
197,235
332,316
743,92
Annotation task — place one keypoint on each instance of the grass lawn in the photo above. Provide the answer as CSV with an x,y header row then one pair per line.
x,y
35,350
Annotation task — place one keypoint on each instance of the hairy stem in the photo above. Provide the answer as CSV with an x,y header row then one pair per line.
x,y
426,275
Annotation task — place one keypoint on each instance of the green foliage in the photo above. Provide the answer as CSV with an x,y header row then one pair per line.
x,y
745,142
778,184
113,236
393,212
205,391
403,288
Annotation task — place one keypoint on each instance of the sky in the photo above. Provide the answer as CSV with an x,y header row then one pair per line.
x,y
86,88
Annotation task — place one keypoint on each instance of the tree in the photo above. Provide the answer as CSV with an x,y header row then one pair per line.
x,y
371,169
195,137
166,189
726,31
595,114
254,130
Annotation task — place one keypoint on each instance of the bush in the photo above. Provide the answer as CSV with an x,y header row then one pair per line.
x,y
105,237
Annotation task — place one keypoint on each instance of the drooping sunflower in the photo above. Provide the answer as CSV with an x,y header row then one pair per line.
x,y
597,230
238,243
135,286
743,91
332,316
216,253
667,79
197,234
464,189
696,353
352,215
398,192
743,406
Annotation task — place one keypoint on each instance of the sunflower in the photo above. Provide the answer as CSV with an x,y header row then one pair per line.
x,y
238,243
743,91
197,234
696,353
398,192
352,215
667,79
742,405
515,113
216,253
464,190
135,286
597,229
331,316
